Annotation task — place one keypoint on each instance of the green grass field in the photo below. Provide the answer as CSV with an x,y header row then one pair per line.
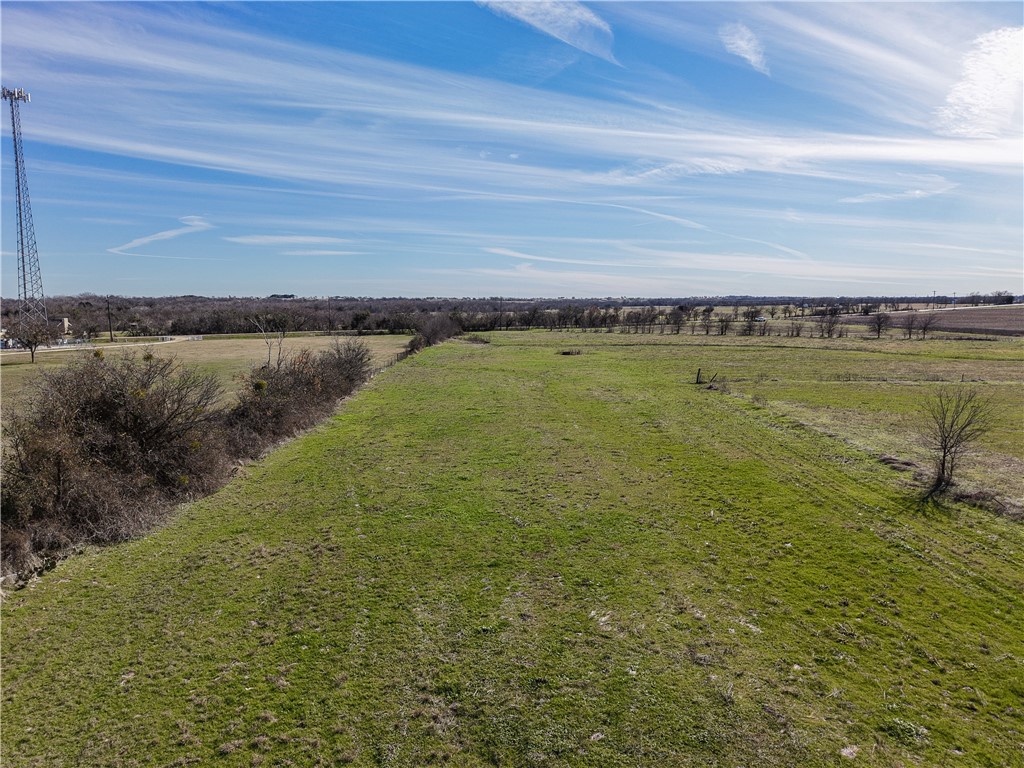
x,y
499,555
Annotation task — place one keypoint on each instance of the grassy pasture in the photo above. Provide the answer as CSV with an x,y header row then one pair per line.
x,y
864,390
500,555
226,357
867,392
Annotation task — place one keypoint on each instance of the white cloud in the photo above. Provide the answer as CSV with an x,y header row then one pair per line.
x,y
681,273
284,240
529,279
621,264
655,214
573,143
353,139
927,186
890,60
694,166
739,40
322,253
983,103
564,20
192,224
799,269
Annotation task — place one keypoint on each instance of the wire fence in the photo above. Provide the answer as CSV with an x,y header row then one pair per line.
x,y
393,360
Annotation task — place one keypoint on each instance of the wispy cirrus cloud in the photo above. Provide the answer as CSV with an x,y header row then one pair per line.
x,y
740,41
704,271
982,104
285,240
683,222
797,269
896,61
621,264
475,157
593,141
565,20
320,252
192,224
531,279
926,186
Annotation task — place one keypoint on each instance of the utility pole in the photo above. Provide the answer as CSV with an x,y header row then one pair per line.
x,y
30,282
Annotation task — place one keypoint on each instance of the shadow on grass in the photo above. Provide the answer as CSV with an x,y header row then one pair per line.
x,y
932,508
944,507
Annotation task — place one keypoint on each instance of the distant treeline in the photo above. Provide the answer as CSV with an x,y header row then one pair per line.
x,y
91,315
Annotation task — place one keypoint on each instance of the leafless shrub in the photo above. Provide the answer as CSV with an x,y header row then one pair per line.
x,y
434,330
346,365
103,450
278,401
955,417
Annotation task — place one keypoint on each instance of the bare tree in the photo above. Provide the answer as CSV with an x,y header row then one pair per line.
x,y
908,323
880,321
828,322
35,333
955,417
926,323
273,336
707,319
676,318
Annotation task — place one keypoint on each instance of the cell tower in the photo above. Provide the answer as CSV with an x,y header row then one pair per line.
x,y
30,281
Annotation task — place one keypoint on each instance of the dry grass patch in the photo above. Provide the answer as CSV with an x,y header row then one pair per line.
x,y
226,358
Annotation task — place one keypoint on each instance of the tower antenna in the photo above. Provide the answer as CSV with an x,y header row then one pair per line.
x,y
30,281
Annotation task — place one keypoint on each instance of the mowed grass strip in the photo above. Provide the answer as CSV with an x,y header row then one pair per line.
x,y
500,555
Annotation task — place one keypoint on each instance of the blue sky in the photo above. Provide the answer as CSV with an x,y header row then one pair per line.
x,y
519,149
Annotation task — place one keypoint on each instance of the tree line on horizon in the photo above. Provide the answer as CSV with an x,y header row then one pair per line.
x,y
93,316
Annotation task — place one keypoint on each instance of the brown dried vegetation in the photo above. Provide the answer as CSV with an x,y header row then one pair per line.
x,y
105,448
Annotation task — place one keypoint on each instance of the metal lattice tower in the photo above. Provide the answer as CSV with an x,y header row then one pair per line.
x,y
30,280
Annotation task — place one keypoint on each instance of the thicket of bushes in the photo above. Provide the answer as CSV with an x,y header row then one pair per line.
x,y
276,401
433,331
106,447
